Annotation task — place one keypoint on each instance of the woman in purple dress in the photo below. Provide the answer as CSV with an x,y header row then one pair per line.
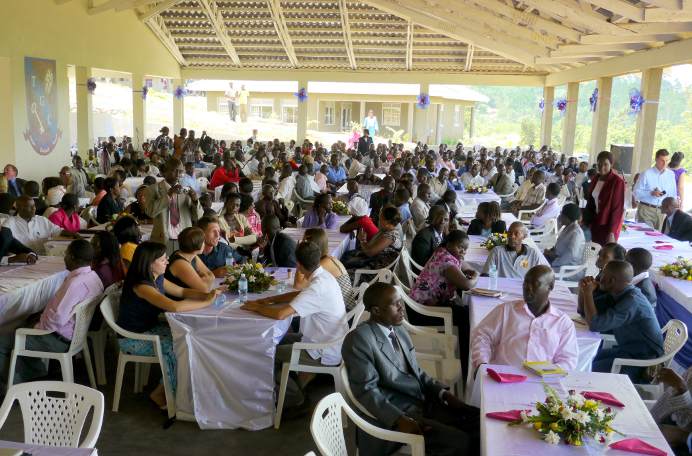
x,y
676,166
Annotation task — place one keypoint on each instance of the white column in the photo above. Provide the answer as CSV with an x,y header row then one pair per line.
x,y
302,124
409,119
362,111
599,122
472,121
570,125
440,124
85,122
421,127
178,107
547,118
138,111
646,121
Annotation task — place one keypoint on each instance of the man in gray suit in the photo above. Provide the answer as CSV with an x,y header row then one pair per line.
x,y
386,379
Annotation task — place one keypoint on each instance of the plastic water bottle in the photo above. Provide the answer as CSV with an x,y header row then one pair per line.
x,y
281,286
492,273
229,258
242,288
220,301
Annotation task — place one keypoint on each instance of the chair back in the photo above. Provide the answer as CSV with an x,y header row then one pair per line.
x,y
54,412
675,338
83,313
354,315
409,264
326,426
346,388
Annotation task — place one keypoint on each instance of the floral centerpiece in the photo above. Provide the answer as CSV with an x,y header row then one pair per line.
x,y
339,207
494,240
258,280
571,420
476,189
680,269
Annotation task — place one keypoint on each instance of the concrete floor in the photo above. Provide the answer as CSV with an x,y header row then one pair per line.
x,y
137,429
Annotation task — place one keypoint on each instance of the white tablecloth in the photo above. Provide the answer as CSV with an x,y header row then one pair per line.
x,y
365,190
26,289
498,439
57,247
477,255
474,199
40,450
226,365
338,242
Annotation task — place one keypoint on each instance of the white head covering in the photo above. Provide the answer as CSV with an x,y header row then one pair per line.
x,y
358,207
55,195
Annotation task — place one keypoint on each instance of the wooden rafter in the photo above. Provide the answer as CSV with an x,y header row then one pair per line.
x,y
667,4
157,9
157,26
622,8
217,22
660,27
617,39
409,46
282,30
469,58
107,5
571,10
346,28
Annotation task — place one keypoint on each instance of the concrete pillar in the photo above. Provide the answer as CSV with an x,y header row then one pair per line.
x,y
276,108
646,120
599,121
85,119
411,107
439,123
462,112
472,121
302,124
547,118
569,126
421,127
178,107
139,111
362,112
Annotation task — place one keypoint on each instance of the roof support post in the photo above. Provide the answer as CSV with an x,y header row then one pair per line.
x,y
646,120
302,123
421,128
599,121
85,119
138,109
570,122
178,107
547,118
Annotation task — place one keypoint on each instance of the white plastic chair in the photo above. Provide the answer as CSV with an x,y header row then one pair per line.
x,y
588,266
675,338
326,428
98,340
408,264
525,215
444,313
295,365
360,272
56,420
108,309
82,314
515,187
545,236
203,183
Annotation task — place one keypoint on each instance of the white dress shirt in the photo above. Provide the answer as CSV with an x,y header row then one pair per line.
x,y
286,187
651,179
468,180
33,233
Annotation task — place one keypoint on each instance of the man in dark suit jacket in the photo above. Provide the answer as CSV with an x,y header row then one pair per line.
x,y
388,382
380,199
677,224
430,237
279,250
14,184
364,142
15,250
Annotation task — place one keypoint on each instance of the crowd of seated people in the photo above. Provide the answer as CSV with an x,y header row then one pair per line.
x,y
255,190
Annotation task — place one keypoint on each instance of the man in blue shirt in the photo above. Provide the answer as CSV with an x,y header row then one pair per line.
x,y
630,318
653,186
336,176
214,253
188,179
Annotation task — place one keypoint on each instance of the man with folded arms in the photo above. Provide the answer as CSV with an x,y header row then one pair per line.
x,y
629,317
516,258
386,379
13,251
527,330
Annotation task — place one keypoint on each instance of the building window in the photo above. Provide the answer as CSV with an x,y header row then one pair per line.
x,y
391,114
329,113
346,116
261,108
457,115
289,114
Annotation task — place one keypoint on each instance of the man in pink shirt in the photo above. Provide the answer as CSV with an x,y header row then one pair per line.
x,y
81,284
527,330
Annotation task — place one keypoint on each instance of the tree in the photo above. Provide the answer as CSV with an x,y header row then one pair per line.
x,y
528,131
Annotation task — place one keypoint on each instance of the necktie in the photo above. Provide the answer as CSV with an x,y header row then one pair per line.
x,y
174,212
397,349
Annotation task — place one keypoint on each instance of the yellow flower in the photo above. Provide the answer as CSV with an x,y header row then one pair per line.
x,y
554,426
258,266
590,404
537,425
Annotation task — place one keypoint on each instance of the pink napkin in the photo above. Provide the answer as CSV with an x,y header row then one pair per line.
x,y
637,446
509,415
606,398
653,233
505,378
663,247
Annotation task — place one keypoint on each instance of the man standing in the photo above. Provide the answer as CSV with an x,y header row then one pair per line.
x,y
162,139
653,185
527,330
364,143
170,206
14,184
232,97
80,179
386,379
243,96
677,224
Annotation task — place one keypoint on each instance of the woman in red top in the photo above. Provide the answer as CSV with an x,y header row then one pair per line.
x,y
605,205
360,220
229,173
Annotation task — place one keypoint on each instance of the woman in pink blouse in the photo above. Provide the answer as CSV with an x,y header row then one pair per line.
x,y
67,216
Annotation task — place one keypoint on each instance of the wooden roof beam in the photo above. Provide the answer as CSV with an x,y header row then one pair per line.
x,y
469,58
660,27
282,30
346,28
409,46
157,9
618,39
622,8
157,26
570,10
219,27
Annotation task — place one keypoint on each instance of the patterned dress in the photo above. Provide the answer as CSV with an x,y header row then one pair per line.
x,y
431,288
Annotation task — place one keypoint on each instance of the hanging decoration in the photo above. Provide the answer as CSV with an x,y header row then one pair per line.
x,y
302,95
91,85
179,92
541,104
593,100
423,101
145,91
636,101
561,105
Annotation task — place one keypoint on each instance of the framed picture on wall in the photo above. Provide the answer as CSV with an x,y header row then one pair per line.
x,y
42,130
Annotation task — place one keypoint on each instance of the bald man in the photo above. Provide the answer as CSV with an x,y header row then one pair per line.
x,y
630,318
527,330
516,258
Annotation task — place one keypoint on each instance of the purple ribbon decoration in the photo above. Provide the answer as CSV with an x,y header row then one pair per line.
x,y
302,95
423,101
179,92
91,85
593,100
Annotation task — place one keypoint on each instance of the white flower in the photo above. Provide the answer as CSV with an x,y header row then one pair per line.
x,y
567,414
552,438
582,417
683,272
577,399
675,273
250,279
524,416
599,414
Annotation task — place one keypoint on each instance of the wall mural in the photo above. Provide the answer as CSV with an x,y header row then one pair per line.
x,y
41,104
